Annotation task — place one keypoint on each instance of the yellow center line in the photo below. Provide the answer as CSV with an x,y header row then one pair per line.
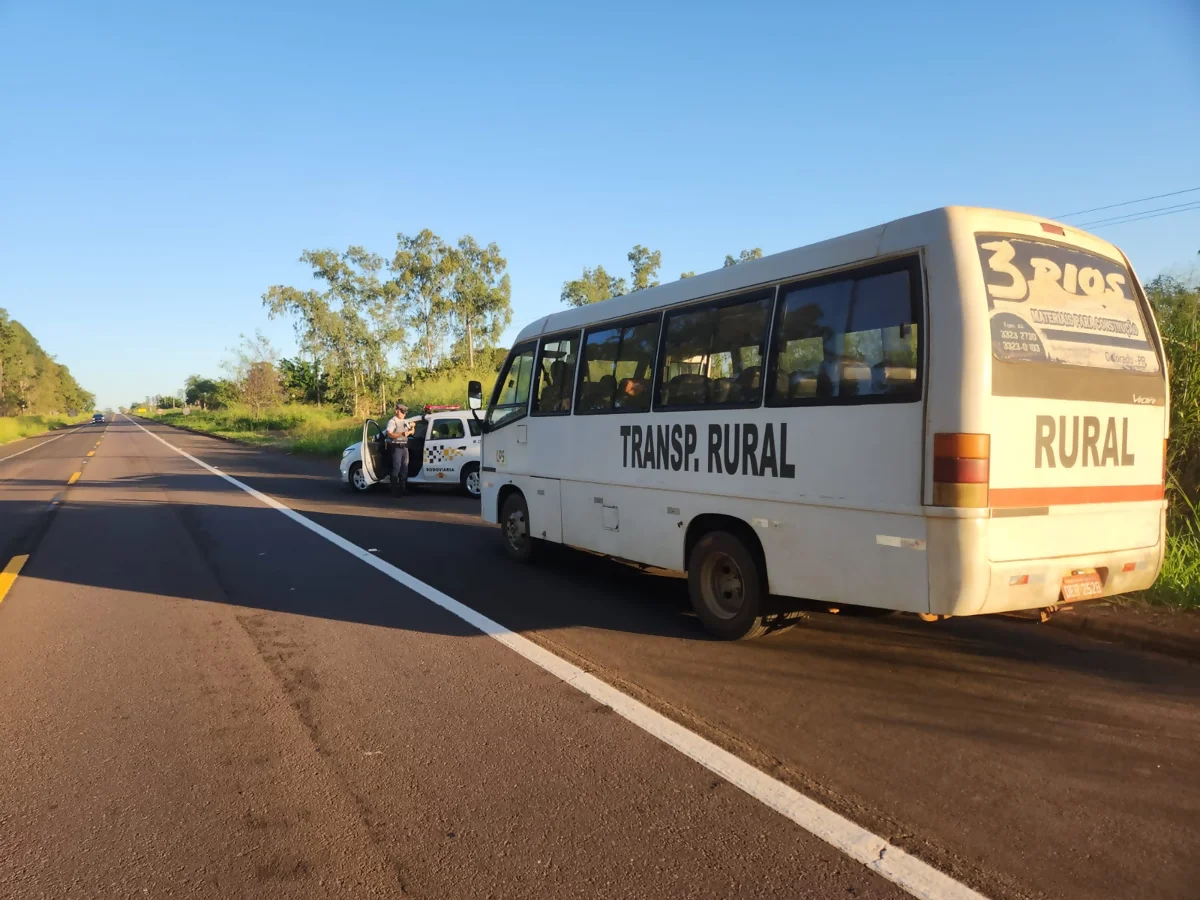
x,y
9,575
74,478
91,453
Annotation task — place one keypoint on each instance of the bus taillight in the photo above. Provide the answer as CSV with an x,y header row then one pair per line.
x,y
960,469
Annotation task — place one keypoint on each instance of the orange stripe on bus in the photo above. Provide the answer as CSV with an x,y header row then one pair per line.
x,y
1056,496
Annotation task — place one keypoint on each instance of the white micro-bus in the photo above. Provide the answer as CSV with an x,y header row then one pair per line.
x,y
959,412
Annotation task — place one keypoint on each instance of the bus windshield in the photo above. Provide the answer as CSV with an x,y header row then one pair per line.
x,y
1056,304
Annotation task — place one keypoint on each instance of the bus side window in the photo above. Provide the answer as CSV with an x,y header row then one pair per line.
x,y
617,366
851,337
713,354
556,376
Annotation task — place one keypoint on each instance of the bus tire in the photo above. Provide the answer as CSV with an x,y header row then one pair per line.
x,y
727,587
518,543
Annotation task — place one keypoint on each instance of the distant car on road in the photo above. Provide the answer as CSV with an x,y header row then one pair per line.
x,y
444,449
98,418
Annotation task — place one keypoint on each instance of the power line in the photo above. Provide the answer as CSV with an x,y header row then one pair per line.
x,y
1128,203
1125,220
1108,219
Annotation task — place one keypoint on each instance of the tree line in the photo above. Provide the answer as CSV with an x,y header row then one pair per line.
x,y
596,284
372,327
434,306
31,382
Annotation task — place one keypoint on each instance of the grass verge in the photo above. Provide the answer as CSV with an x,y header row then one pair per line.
x,y
299,429
1178,584
13,428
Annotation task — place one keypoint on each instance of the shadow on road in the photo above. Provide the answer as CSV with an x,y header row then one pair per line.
x,y
257,557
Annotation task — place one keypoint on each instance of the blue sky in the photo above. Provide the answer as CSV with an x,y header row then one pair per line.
x,y
161,166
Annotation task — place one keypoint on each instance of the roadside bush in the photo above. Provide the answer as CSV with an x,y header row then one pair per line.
x,y
13,428
1177,307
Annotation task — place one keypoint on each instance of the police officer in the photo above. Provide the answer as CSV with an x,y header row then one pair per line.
x,y
398,431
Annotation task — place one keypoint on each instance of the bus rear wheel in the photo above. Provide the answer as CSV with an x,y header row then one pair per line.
x,y
727,587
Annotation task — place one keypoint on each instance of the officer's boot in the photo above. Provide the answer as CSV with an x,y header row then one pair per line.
x,y
397,488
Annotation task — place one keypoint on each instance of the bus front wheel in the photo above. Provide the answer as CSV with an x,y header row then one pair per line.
x,y
514,526
727,587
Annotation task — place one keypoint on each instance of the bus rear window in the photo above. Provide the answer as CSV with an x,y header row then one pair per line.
x,y
1055,304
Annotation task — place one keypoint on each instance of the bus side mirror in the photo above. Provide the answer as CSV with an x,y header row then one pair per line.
x,y
475,395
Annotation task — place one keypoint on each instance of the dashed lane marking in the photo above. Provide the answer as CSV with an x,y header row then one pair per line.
x,y
91,453
9,575
74,478
903,869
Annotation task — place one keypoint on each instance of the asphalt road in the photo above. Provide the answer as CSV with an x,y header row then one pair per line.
x,y
204,698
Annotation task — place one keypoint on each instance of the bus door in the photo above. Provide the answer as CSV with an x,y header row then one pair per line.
x,y
506,446
1078,403
549,431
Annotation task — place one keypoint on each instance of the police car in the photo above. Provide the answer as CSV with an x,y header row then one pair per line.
x,y
444,449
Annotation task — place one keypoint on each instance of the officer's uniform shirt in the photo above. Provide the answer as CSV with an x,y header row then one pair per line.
x,y
398,425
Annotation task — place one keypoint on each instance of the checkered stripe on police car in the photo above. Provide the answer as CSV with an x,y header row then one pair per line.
x,y
436,455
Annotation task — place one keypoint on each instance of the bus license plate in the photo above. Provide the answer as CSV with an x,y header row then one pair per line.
x,y
1080,587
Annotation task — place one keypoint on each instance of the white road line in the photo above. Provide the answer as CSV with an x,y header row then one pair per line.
x,y
42,444
903,869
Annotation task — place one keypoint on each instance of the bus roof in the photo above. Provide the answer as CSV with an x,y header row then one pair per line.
x,y
833,253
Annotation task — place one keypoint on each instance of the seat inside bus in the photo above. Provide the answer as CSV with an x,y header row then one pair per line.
x,y
556,389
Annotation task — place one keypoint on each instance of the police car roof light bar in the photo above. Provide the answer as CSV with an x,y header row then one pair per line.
x,y
429,408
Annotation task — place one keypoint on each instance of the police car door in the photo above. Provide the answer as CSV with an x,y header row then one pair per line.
x,y
372,452
445,448
416,449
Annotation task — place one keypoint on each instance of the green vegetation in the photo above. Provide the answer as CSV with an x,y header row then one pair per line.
x,y
14,428
32,384
1177,307
307,428
596,284
294,427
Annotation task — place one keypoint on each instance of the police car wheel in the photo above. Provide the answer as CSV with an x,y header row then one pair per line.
x,y
470,479
727,587
514,526
358,479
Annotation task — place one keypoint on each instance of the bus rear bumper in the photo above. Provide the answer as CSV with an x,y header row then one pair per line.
x,y
969,584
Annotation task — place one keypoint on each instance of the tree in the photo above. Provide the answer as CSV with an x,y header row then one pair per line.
x,y
744,256
260,387
644,264
481,295
252,366
200,391
303,381
351,327
31,381
424,267
592,286
596,284
691,274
